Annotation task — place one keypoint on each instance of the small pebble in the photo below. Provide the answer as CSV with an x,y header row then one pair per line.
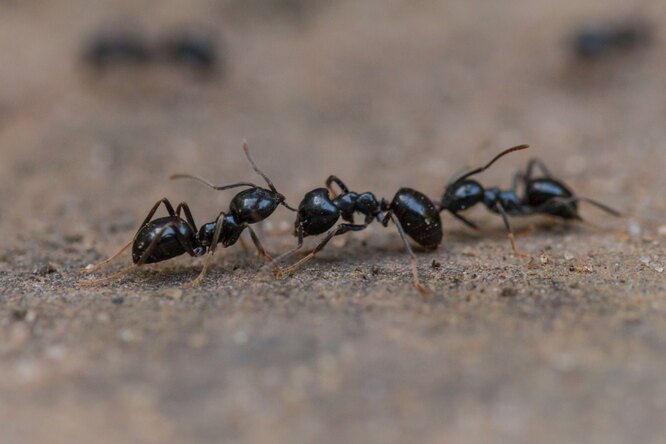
x,y
435,264
661,231
545,259
240,337
568,256
173,293
197,340
634,229
118,300
126,335
508,292
44,269
375,270
645,260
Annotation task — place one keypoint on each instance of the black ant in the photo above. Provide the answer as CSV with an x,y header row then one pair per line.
x,y
593,42
109,49
541,195
167,237
412,212
190,49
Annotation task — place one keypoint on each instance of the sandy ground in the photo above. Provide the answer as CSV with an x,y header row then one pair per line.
x,y
569,346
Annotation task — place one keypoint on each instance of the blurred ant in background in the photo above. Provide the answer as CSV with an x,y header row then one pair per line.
x,y
593,42
193,50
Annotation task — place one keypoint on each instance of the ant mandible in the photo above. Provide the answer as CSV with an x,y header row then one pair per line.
x,y
412,212
168,237
541,195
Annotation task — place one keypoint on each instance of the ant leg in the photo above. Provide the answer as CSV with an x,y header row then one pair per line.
x,y
151,213
536,163
340,229
335,179
299,235
511,236
216,237
601,206
257,244
415,272
518,178
92,268
188,214
243,244
467,222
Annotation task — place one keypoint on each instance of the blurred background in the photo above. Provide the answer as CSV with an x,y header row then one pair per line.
x,y
101,101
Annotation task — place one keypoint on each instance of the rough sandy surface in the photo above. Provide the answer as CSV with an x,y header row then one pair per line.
x,y
567,347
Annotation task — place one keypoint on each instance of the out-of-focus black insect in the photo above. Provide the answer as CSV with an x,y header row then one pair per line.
x,y
105,50
541,195
199,52
412,213
593,42
168,237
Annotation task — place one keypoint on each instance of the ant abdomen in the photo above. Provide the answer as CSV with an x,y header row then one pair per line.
x,y
418,217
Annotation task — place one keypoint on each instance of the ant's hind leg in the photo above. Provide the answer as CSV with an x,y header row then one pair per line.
x,y
425,291
340,229
152,211
188,214
92,268
467,222
536,163
299,245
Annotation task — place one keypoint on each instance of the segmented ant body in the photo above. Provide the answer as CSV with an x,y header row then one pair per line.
x,y
541,195
412,212
168,237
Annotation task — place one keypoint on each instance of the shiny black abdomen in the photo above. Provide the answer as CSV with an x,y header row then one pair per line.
x,y
317,212
418,217
168,245
540,191
253,205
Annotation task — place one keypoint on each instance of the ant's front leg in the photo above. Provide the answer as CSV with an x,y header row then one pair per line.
x,y
511,236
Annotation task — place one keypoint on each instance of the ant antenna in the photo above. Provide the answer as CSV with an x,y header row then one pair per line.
x,y
483,168
215,187
256,169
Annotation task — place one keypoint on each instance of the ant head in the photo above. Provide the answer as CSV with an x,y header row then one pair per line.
x,y
461,195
